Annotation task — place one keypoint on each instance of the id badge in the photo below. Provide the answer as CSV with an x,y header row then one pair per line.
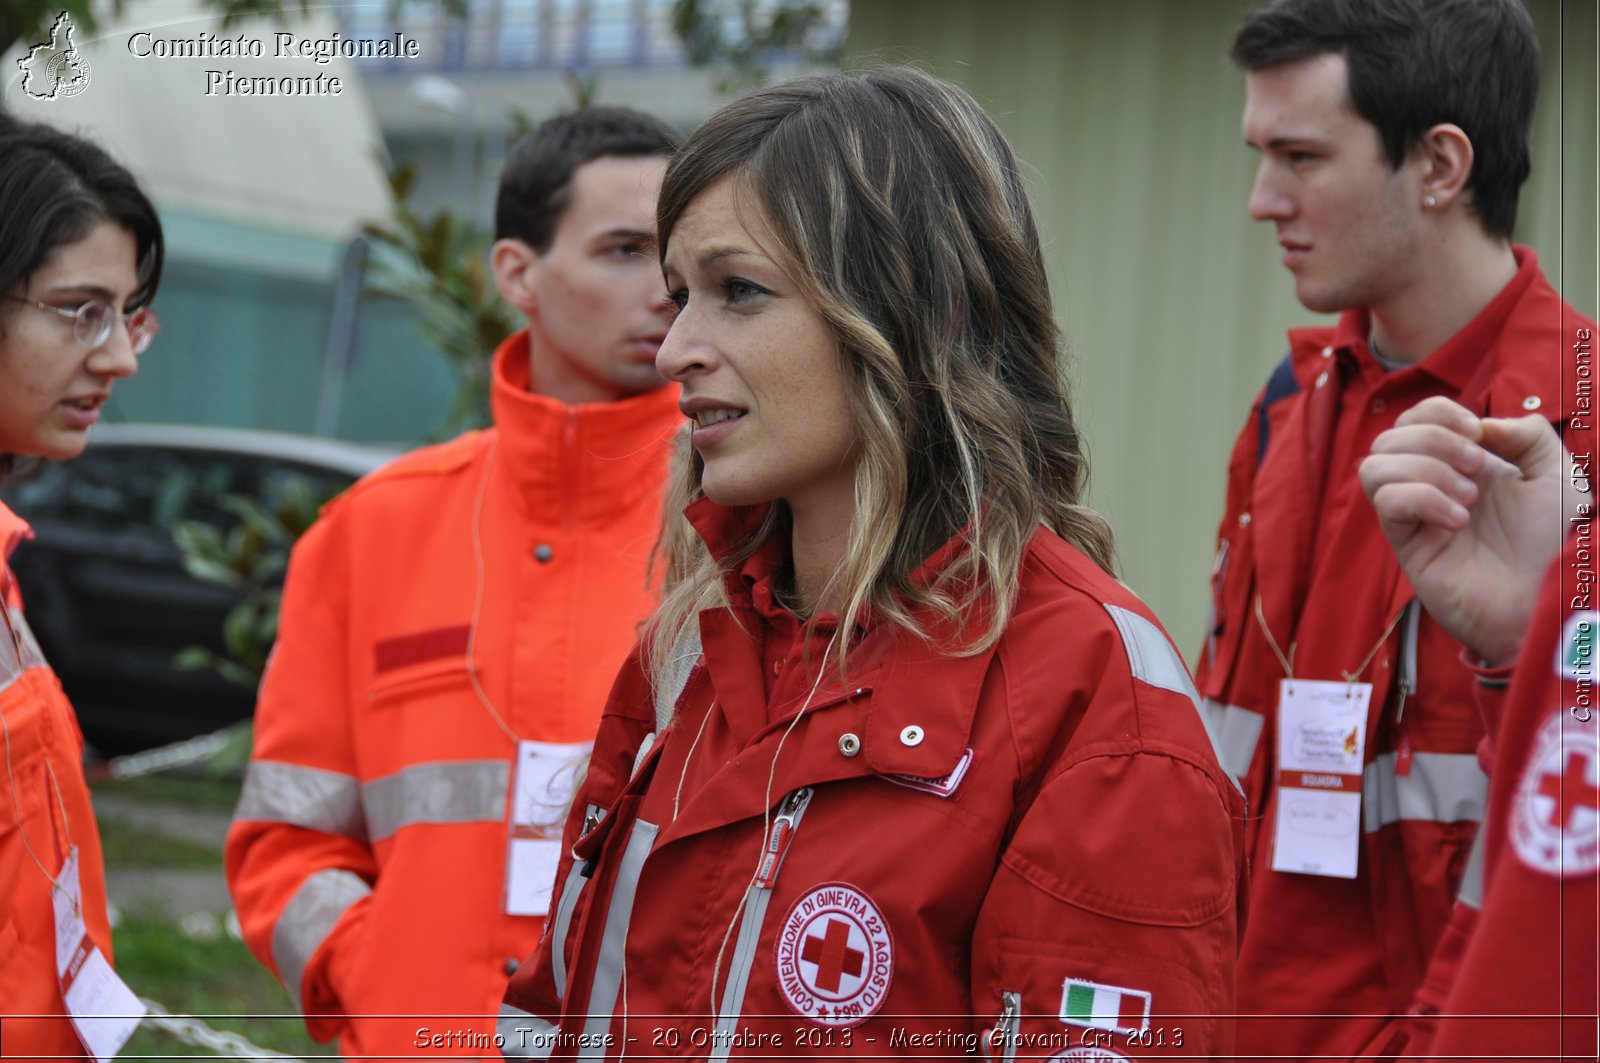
x,y
1322,738
103,1009
543,782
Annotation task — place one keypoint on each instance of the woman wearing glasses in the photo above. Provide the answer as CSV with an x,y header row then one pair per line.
x,y
900,768
80,258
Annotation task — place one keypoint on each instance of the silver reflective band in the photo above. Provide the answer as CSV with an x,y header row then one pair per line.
x,y
275,792
524,1035
1152,660
1235,731
744,952
1470,892
446,791
1441,787
558,933
614,941
13,663
307,921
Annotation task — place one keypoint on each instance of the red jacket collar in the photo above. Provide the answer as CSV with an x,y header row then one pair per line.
x,y
590,461
1484,364
912,683
13,530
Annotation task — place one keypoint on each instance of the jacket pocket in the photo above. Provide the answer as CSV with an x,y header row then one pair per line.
x,y
394,688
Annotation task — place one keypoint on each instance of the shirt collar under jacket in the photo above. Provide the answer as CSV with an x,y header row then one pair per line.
x,y
590,461
1456,362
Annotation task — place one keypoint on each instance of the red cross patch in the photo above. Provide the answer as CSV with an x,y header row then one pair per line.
x,y
1555,820
835,956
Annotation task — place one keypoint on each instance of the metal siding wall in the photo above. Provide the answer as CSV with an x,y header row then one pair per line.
x,y
1126,115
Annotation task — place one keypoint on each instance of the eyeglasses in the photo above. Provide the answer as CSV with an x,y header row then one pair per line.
x,y
93,321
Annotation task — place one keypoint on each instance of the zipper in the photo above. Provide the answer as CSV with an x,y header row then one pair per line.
x,y
1005,1033
782,836
1406,665
779,838
569,438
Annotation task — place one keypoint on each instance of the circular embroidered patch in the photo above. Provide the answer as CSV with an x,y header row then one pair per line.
x,y
1555,816
835,957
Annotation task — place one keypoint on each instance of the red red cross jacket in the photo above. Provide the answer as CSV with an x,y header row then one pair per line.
x,y
1529,984
1300,554
1032,848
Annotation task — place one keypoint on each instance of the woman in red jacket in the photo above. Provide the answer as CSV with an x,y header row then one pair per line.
x,y
900,767
80,258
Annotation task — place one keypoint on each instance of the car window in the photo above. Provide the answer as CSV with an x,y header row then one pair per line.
x,y
144,491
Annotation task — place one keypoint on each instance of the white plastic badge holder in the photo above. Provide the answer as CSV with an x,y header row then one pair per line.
x,y
1322,737
104,1010
542,785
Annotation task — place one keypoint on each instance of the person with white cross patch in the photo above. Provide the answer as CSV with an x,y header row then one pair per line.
x,y
899,768
1474,509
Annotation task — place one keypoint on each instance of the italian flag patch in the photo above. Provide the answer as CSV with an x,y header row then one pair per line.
x,y
1105,1007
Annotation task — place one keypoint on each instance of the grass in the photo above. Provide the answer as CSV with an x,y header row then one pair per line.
x,y
202,790
127,845
217,981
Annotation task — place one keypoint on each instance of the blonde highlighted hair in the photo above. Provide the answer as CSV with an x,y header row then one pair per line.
x,y
897,209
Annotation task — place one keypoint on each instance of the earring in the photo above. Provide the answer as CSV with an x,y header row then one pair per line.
x,y
1430,201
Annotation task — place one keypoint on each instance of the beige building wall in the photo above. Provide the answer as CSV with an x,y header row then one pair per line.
x,y
1126,115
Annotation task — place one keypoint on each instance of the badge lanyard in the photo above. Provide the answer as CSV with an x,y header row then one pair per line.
x,y
543,775
1321,739
103,1010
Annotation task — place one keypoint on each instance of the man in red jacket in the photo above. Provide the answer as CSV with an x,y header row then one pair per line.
x,y
1393,137
1473,508
451,625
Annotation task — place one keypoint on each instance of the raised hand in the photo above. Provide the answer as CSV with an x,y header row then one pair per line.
x,y
1473,508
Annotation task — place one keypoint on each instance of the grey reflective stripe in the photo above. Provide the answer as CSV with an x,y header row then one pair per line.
x,y
328,801
524,1035
1471,891
1235,731
744,953
444,791
308,919
1152,660
614,941
12,662
558,932
1441,787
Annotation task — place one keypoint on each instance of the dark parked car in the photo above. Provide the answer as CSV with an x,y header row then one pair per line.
x,y
104,584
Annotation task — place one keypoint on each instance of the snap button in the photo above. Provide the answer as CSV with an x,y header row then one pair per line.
x,y
849,744
510,966
1322,379
1327,352
1378,406
1532,402
777,667
1244,520
542,553
911,736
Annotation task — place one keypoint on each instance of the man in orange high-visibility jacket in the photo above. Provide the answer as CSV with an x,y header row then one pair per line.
x,y
451,625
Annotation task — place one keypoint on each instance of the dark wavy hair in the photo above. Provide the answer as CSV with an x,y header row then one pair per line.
x,y
536,181
1415,63
54,189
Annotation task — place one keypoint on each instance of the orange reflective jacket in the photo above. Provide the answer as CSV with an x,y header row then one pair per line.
x,y
502,574
40,740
